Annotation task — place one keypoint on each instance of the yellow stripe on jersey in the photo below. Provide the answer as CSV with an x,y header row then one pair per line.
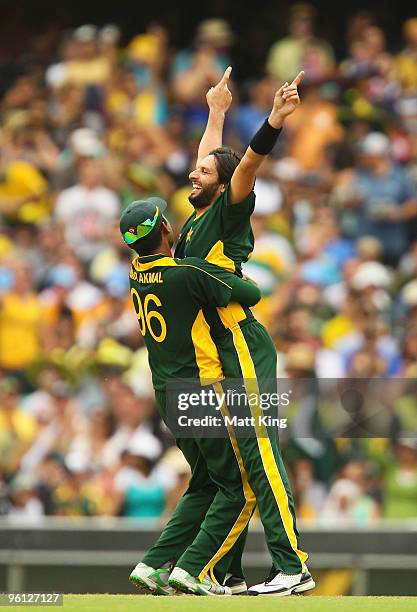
x,y
264,443
216,256
206,354
244,516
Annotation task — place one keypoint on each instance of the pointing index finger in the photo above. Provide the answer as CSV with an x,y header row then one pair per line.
x,y
226,75
298,78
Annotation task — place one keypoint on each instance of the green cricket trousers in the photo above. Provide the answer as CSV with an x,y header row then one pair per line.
x,y
230,476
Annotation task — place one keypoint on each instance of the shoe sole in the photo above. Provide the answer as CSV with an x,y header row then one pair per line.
x,y
141,583
150,587
184,588
295,590
160,591
192,590
307,586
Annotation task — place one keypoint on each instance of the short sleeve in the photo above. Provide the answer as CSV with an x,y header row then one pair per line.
x,y
241,210
236,216
207,283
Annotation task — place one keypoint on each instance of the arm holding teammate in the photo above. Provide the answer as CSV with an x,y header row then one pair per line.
x,y
245,291
215,286
286,101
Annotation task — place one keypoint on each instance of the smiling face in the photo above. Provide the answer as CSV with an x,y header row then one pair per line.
x,y
205,183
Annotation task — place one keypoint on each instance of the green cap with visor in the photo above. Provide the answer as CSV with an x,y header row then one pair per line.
x,y
141,219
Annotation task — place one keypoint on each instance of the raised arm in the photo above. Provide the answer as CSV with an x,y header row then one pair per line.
x,y
219,99
286,101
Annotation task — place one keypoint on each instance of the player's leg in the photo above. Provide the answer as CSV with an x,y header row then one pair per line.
x,y
190,512
154,569
261,455
225,521
152,572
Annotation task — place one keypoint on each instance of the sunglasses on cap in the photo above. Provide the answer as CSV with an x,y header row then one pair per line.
x,y
142,230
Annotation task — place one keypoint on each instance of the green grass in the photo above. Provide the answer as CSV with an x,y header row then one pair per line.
x,y
148,603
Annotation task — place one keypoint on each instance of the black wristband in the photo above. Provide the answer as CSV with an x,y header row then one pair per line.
x,y
265,139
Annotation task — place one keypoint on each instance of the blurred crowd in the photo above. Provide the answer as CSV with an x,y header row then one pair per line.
x,y
90,122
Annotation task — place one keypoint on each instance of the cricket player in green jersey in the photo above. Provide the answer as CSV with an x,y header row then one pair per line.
x,y
168,296
219,230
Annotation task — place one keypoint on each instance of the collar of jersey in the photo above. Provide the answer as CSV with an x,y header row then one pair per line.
x,y
146,262
201,214
153,257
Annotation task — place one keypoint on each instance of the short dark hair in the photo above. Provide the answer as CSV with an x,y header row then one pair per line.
x,y
149,244
227,161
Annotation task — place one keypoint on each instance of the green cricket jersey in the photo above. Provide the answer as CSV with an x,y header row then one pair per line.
x,y
168,295
223,236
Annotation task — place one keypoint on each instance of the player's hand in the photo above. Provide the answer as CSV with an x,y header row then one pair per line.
x,y
219,97
286,101
249,280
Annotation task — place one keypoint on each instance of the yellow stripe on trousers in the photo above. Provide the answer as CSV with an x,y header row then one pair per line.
x,y
244,516
264,443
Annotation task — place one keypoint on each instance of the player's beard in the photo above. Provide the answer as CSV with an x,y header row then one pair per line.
x,y
204,197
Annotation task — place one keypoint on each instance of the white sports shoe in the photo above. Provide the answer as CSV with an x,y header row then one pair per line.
x,y
151,579
184,582
281,584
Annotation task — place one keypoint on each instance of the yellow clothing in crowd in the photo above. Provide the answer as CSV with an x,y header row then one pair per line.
x,y
22,424
314,127
288,56
20,320
91,72
406,64
335,329
22,182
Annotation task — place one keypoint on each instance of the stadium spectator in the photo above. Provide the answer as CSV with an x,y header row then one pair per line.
x,y
20,321
249,116
399,480
18,429
301,49
347,505
147,90
24,498
87,66
406,60
86,210
310,493
197,69
143,486
381,199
